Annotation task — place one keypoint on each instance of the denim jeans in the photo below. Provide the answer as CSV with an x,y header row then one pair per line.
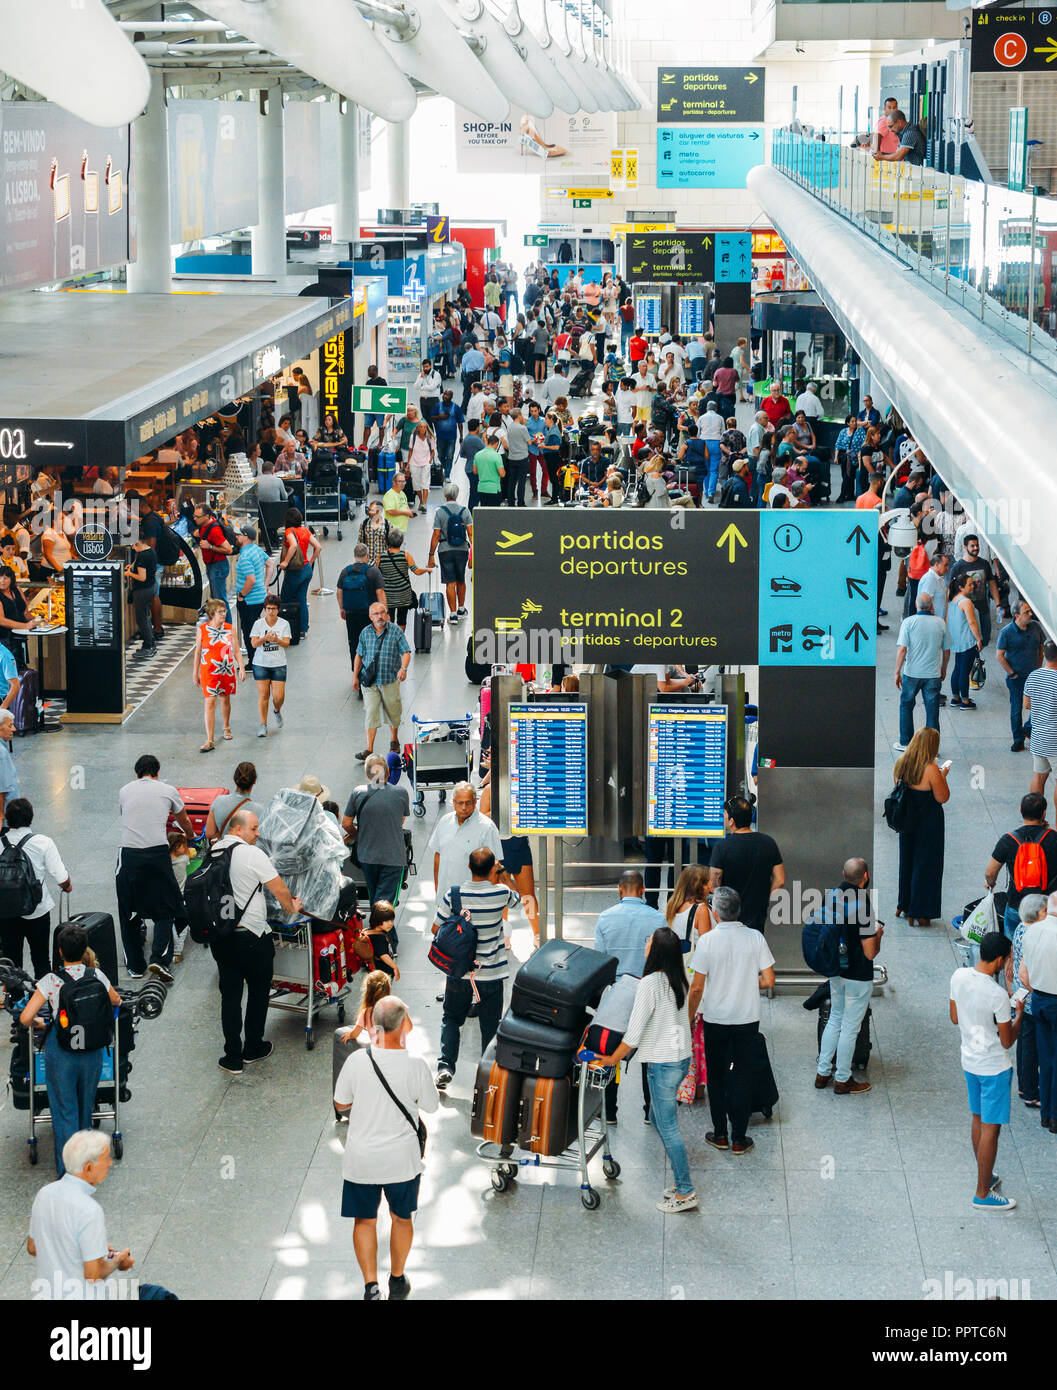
x,y
383,881
1010,923
217,575
849,1000
930,694
295,590
72,1079
446,454
714,456
1015,686
1044,1012
458,997
963,665
665,1079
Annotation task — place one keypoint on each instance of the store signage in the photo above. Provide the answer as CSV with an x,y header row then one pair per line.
x,y
12,444
93,543
268,362
710,95
671,255
739,587
580,144
34,443
438,229
1014,40
700,158
378,400
335,388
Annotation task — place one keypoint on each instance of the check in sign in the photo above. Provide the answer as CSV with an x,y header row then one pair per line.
x,y
378,400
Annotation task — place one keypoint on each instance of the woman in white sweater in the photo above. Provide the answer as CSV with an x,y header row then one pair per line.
x,y
659,1029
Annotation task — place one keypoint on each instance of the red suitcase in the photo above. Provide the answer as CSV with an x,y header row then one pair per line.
x,y
328,963
353,935
197,801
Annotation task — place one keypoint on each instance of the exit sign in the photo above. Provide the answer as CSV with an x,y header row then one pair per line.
x,y
581,202
535,239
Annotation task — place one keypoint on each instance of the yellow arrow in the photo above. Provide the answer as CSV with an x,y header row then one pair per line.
x,y
1049,48
751,77
731,536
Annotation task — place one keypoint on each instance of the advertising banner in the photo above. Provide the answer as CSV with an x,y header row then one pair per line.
x,y
212,168
526,144
65,195
310,151
713,158
711,95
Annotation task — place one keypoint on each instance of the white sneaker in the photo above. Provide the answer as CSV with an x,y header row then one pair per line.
x,y
900,747
278,718
262,731
673,1204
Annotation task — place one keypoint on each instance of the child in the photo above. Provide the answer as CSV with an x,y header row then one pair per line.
x,y
180,853
375,986
380,923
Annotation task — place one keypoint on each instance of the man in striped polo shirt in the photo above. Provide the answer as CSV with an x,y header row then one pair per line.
x,y
487,902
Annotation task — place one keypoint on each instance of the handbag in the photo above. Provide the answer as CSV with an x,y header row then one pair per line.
x,y
369,673
420,1128
297,560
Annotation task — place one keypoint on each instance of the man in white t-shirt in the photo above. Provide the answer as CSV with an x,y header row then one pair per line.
x,y
456,836
731,964
48,868
385,1089
989,1027
245,956
809,402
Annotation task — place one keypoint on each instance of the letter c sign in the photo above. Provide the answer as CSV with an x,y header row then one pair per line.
x,y
1010,50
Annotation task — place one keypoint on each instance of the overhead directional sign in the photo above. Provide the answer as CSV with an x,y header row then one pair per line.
x,y
818,588
671,255
712,95
708,158
537,239
378,400
1014,40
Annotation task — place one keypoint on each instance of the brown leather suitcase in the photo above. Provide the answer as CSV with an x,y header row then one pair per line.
x,y
496,1100
548,1122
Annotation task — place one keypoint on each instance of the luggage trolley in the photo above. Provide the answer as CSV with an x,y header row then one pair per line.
x,y
301,993
108,1095
441,757
323,504
589,1140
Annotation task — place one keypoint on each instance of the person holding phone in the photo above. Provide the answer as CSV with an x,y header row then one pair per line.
x,y
921,843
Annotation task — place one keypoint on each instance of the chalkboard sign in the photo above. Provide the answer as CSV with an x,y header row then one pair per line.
x,y
95,657
93,606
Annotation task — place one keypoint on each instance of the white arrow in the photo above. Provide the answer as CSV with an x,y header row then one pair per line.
x,y
388,400
53,443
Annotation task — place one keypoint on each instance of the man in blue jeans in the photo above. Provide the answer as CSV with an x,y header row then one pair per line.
x,y
850,988
447,423
922,652
215,549
487,901
1019,653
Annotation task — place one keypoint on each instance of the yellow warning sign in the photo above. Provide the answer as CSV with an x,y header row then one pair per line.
x,y
631,169
616,166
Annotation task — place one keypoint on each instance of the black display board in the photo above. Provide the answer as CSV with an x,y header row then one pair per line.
x,y
548,769
1014,40
716,96
95,659
668,256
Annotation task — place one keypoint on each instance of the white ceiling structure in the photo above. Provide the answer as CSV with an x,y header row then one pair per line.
x,y
96,58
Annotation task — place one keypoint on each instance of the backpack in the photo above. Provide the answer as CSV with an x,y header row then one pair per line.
x,y
642,492
454,947
229,532
898,808
354,590
1030,870
824,939
84,1017
167,548
20,889
209,899
455,530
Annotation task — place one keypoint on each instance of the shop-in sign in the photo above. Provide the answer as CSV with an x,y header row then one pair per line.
x,y
1014,40
671,255
708,158
93,543
379,400
710,95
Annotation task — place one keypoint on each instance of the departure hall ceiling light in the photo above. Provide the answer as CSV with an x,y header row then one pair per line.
x,y
499,57
431,50
335,45
76,57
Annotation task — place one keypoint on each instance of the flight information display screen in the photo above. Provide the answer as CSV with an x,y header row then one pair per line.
x,y
687,770
548,769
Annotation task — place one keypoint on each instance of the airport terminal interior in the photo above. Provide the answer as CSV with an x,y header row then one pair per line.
x,y
525,523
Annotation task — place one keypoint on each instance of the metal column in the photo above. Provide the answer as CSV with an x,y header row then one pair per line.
x,y
347,211
268,238
398,161
151,271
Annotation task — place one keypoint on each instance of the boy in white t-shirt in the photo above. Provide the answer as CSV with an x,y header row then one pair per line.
x,y
989,1025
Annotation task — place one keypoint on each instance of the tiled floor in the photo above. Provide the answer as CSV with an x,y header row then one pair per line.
x,y
230,1188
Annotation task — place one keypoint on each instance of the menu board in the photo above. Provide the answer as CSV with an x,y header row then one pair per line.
x,y
93,606
548,769
687,770
691,315
648,312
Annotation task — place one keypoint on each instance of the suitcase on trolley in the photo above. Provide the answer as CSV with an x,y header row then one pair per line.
x,y
328,962
496,1100
197,801
536,1049
547,1115
764,1087
102,938
352,935
559,982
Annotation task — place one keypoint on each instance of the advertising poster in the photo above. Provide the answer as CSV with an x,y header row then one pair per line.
x,y
65,204
526,144
212,168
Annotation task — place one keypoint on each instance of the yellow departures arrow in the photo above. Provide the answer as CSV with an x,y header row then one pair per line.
x,y
732,537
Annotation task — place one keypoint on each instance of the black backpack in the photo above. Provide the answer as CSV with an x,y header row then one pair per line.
x,y
20,889
642,492
209,899
84,1017
167,547
355,591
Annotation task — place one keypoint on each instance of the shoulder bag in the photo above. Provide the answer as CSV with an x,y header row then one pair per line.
x,y
421,1133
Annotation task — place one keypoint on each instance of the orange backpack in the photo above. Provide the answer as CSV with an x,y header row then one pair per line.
x,y
1030,870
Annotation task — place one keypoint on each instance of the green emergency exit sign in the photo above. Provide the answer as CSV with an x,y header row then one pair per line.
x,y
536,239
581,202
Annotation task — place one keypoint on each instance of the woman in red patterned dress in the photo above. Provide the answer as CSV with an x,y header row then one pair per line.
x,y
218,667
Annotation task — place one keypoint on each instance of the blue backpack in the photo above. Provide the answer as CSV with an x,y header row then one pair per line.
x,y
455,530
824,940
354,588
454,948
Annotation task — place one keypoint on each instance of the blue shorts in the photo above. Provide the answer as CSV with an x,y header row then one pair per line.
x,y
360,1200
372,419
989,1096
517,854
269,673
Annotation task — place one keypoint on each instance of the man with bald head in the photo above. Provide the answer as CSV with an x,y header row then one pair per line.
x,y
850,988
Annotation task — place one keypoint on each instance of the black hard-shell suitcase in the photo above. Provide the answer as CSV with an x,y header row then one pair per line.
x,y
24,705
292,613
373,455
436,475
548,1115
423,631
496,1100
559,982
764,1087
102,938
342,1052
536,1049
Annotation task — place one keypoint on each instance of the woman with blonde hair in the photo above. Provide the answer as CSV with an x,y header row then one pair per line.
x,y
656,487
686,911
921,842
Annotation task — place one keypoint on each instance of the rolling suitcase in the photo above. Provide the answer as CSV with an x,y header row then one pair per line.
x,y
351,482
535,1049
24,706
373,455
606,1030
386,470
559,982
342,1052
432,600
328,963
547,1120
102,938
423,633
197,801
292,613
764,1088
353,936
496,1100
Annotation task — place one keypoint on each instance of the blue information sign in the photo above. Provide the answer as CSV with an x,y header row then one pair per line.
x,y
548,769
713,157
818,588
687,763
691,314
648,312
733,258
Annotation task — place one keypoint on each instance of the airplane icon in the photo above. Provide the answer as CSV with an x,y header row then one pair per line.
x,y
511,539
